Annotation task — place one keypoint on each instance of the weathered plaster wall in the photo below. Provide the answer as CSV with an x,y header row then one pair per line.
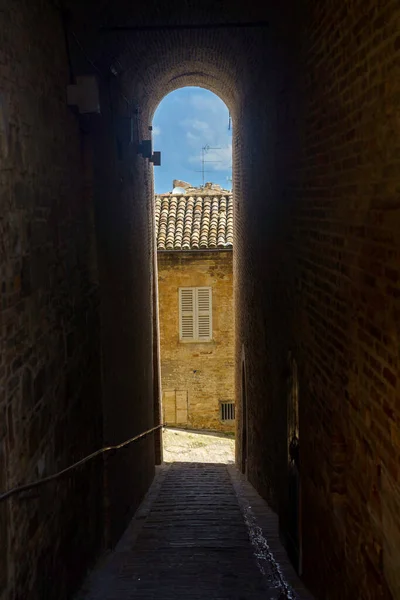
x,y
205,371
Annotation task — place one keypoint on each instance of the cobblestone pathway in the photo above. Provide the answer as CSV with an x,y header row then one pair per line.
x,y
190,540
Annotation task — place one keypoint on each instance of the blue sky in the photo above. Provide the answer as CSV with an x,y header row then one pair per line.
x,y
184,122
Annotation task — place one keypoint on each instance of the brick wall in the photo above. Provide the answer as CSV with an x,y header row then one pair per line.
x,y
314,105
316,265
125,242
125,251
314,100
62,180
346,246
50,413
204,371
315,178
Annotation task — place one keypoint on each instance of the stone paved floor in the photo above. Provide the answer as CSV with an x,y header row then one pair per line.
x,y
192,539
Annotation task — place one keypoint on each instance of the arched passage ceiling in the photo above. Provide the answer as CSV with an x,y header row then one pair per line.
x,y
178,60
150,64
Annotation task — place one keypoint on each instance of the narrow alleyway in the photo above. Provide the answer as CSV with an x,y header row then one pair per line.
x,y
196,536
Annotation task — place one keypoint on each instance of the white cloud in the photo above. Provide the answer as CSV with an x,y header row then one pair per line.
x,y
198,125
224,156
198,132
156,130
208,103
192,138
212,132
217,160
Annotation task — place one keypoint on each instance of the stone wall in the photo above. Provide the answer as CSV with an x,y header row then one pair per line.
x,y
50,398
200,374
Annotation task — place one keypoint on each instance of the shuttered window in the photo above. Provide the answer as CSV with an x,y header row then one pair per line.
x,y
195,314
187,299
203,313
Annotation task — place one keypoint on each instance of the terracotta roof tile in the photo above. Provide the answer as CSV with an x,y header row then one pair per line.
x,y
194,222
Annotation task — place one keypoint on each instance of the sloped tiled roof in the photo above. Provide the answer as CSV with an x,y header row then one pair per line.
x,y
194,222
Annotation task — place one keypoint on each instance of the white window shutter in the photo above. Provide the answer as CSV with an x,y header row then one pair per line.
x,y
186,313
204,313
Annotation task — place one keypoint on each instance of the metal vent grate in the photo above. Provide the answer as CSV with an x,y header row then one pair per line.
x,y
227,411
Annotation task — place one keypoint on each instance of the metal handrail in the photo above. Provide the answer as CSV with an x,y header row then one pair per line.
x,y
40,482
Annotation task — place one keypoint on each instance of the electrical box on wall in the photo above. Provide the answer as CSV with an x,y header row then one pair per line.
x,y
145,149
156,159
84,94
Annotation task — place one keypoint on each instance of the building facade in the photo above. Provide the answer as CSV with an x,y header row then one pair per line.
x,y
195,279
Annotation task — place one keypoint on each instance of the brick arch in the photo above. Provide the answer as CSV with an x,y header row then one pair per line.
x,y
190,74
208,59
147,71
190,80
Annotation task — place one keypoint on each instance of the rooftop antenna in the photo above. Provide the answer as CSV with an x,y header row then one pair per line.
x,y
204,151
